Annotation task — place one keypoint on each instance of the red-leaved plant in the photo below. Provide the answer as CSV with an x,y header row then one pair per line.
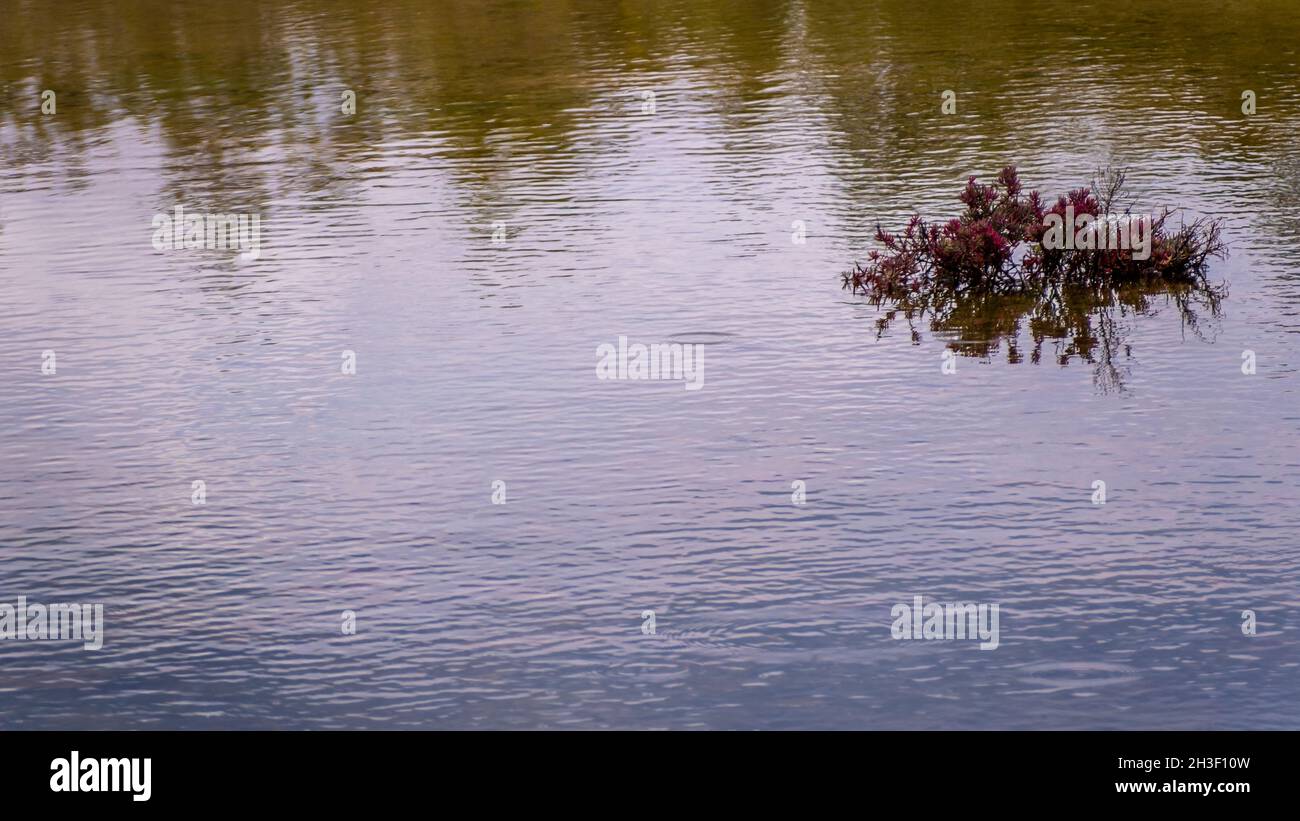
x,y
998,243
978,277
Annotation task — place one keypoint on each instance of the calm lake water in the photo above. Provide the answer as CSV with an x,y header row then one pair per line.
x,y
645,164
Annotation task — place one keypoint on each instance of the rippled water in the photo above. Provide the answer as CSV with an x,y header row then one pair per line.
x,y
475,363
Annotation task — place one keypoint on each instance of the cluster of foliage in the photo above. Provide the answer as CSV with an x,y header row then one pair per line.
x,y
981,276
998,243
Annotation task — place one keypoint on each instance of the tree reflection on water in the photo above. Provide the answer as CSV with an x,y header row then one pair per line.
x,y
1090,323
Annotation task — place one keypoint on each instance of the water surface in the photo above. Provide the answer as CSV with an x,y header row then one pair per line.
x,y
476,362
